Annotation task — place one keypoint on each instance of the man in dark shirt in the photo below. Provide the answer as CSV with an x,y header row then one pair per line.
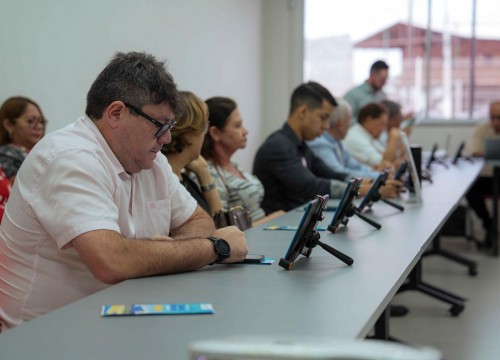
x,y
290,172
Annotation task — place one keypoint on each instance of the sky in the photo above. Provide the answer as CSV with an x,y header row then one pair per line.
x,y
362,18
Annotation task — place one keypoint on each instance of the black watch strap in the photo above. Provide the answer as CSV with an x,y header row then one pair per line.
x,y
221,247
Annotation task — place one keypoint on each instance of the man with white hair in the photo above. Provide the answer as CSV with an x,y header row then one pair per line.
x,y
329,147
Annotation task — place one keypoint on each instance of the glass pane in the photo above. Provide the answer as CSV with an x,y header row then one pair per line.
x,y
344,38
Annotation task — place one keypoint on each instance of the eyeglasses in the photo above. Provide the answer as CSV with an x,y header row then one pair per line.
x,y
494,117
34,121
162,128
207,125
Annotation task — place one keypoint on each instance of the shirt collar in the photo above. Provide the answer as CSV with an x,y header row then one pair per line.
x,y
369,88
328,137
363,131
290,134
90,124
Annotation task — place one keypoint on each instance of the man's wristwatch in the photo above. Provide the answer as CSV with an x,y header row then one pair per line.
x,y
221,247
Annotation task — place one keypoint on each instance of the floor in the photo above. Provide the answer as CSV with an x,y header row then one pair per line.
x,y
475,333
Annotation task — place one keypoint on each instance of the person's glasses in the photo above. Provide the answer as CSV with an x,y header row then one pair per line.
x,y
34,121
162,128
494,117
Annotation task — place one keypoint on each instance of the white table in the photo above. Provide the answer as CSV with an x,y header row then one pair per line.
x,y
321,296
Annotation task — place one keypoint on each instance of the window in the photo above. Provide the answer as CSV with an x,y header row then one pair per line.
x,y
450,70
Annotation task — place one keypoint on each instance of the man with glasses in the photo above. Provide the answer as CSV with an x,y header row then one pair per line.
x,y
95,203
483,185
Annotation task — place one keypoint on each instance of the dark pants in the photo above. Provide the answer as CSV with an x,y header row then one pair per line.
x,y
476,197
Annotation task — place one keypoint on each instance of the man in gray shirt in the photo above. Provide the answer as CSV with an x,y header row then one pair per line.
x,y
370,90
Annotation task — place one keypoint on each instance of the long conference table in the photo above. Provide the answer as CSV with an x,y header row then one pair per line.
x,y
319,297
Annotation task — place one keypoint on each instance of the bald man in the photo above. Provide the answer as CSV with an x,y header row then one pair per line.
x,y
483,185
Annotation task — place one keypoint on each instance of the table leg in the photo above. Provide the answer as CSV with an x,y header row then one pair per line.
x,y
382,326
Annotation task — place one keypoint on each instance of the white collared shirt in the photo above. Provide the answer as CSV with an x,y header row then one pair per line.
x,y
362,146
72,183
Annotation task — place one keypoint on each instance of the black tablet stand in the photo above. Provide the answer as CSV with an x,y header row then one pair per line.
x,y
459,154
347,209
377,196
353,210
389,202
457,159
434,159
307,237
367,219
313,240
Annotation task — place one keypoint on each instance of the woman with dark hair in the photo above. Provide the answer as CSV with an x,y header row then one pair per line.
x,y
23,125
183,152
226,135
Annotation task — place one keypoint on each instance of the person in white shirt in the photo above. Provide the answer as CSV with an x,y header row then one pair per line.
x,y
362,140
95,203
330,149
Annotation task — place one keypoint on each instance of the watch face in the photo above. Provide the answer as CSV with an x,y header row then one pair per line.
x,y
223,247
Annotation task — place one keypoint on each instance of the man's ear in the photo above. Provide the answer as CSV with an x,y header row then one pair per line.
x,y
302,110
113,113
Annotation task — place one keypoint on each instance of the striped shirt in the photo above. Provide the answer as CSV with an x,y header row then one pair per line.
x,y
248,191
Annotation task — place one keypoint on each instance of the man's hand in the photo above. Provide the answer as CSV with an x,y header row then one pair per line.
x,y
395,134
366,184
391,189
384,165
236,240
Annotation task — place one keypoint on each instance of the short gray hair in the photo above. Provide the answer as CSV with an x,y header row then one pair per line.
x,y
134,77
342,109
393,107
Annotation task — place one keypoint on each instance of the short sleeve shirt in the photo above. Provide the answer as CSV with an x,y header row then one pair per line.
x,y
475,144
363,147
69,184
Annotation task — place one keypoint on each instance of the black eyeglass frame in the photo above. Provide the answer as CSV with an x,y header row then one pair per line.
x,y
162,128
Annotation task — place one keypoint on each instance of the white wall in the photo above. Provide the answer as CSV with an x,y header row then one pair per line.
x,y
283,54
250,50
52,51
428,134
